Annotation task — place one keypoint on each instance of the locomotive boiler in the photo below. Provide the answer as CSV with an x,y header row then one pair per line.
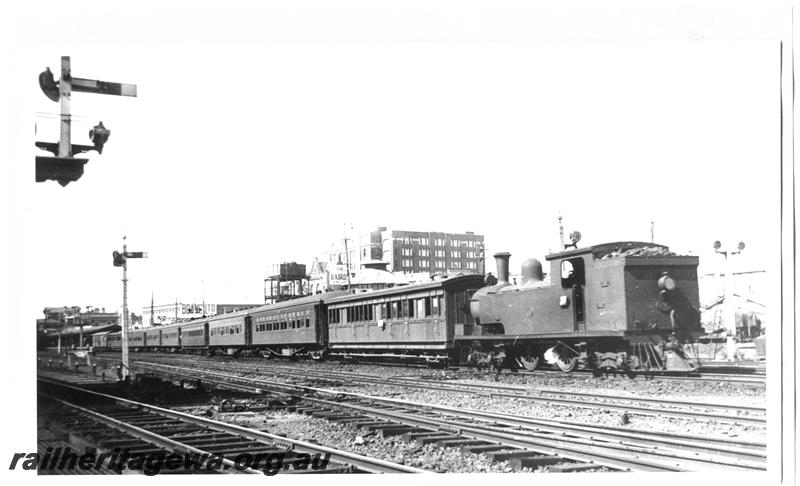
x,y
624,305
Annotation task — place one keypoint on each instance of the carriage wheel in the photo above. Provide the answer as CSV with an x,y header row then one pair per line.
x,y
529,361
567,364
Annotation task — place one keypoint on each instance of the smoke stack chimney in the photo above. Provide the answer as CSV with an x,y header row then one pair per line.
x,y
501,259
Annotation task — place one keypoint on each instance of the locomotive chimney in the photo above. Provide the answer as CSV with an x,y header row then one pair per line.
x,y
501,259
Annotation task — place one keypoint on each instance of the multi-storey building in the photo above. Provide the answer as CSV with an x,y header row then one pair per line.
x,y
405,252
433,252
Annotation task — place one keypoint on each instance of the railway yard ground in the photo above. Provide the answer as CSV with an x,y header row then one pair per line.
x,y
441,420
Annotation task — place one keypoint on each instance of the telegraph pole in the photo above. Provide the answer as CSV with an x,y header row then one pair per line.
x,y
121,260
347,258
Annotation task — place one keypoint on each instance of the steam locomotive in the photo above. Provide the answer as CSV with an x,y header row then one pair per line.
x,y
624,305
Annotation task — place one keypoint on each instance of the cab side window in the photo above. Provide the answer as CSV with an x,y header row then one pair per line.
x,y
572,273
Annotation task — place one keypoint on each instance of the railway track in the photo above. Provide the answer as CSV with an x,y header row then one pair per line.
x,y
629,404
527,440
746,375
118,423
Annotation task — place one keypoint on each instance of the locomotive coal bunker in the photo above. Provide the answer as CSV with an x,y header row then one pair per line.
x,y
624,305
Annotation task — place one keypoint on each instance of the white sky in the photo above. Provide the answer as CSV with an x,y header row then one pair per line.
x,y
248,147
252,143
262,127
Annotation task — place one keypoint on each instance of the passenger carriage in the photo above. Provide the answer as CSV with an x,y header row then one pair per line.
x,y
136,340
414,321
114,340
152,338
100,341
171,337
194,335
228,332
292,328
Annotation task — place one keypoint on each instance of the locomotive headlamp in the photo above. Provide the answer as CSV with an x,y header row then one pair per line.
x,y
667,283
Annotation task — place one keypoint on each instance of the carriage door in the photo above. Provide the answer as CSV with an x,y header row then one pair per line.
x,y
248,330
573,277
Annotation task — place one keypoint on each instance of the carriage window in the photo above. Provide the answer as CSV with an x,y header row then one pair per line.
x,y
436,304
308,322
405,308
411,304
427,306
395,309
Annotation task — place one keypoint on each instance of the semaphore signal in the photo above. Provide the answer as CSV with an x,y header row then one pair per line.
x,y
64,167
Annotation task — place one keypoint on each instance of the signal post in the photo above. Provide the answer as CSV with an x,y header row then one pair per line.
x,y
121,260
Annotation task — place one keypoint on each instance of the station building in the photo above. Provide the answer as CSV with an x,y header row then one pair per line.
x,y
73,326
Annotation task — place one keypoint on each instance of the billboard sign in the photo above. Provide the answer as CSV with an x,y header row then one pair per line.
x,y
337,274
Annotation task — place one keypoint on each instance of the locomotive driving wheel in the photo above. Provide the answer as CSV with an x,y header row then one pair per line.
x,y
566,363
528,360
